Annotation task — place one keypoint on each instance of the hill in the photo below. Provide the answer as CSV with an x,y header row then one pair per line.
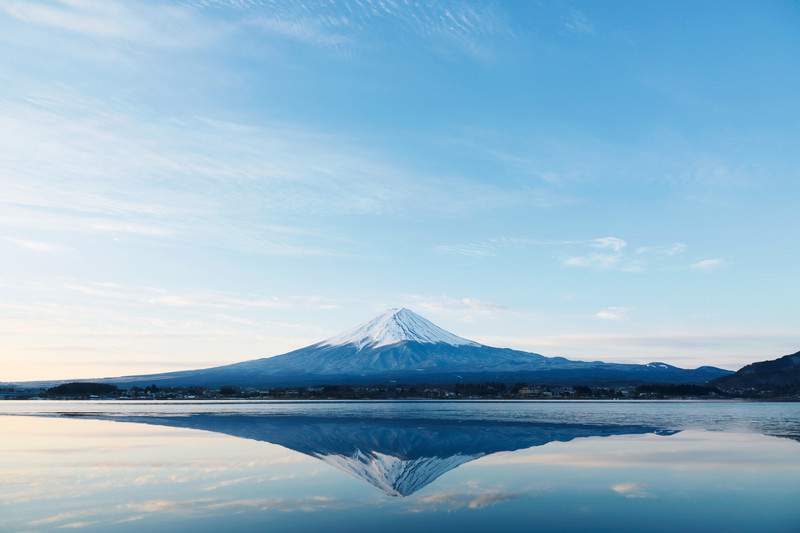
x,y
777,376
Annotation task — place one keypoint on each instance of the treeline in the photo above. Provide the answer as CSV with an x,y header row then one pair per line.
x,y
83,390
670,390
501,391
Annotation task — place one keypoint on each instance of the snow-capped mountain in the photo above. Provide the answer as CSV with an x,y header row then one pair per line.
x,y
394,326
401,346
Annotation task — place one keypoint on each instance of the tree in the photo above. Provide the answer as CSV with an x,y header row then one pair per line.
x,y
82,389
228,390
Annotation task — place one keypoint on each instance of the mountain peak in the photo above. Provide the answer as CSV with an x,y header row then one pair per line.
x,y
393,326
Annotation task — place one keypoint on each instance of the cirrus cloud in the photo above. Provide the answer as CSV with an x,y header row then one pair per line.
x,y
612,313
707,265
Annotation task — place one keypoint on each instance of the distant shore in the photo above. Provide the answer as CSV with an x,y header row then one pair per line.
x,y
383,392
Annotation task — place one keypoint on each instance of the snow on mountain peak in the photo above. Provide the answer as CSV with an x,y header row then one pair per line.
x,y
658,364
393,326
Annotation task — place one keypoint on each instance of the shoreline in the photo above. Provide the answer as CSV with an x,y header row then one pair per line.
x,y
244,401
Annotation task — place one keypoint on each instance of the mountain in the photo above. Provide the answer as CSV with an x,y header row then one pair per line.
x,y
401,346
779,376
396,455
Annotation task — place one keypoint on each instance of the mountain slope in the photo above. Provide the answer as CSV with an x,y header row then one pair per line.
x,y
401,346
777,375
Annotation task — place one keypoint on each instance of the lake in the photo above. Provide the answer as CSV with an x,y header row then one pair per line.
x,y
400,466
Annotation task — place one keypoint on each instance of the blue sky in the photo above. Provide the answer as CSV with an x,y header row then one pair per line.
x,y
194,183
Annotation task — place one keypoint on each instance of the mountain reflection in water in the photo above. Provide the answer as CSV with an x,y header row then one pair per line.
x,y
399,456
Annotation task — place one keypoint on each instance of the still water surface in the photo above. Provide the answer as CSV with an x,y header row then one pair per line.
x,y
399,466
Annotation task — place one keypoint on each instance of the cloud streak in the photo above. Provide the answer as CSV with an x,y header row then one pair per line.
x,y
453,27
612,313
65,330
36,246
686,348
707,265
466,29
464,309
92,166
600,253
145,25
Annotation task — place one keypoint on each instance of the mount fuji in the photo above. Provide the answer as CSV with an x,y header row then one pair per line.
x,y
403,347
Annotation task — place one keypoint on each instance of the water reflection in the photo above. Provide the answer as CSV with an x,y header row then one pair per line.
x,y
397,456
444,467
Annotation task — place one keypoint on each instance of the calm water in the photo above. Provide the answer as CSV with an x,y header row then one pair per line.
x,y
422,466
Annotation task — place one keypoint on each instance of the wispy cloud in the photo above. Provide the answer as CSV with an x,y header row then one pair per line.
x,y
468,29
576,21
302,30
77,525
158,506
601,261
685,348
65,516
61,330
619,258
231,302
612,313
468,249
613,259
444,28
707,265
83,165
601,253
613,243
195,299
491,246
465,309
667,250
36,246
147,25
128,175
